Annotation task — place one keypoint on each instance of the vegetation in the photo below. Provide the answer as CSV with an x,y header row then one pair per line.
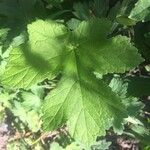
x,y
75,73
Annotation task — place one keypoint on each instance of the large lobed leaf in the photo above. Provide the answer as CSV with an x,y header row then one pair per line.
x,y
85,103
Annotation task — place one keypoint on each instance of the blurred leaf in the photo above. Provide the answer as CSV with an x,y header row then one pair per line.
x,y
74,146
141,11
28,110
3,34
38,91
123,13
114,11
30,118
100,8
141,133
101,145
55,146
2,114
54,3
4,100
16,145
147,148
18,40
82,11
30,101
73,23
125,21
87,10
123,89
31,63
133,106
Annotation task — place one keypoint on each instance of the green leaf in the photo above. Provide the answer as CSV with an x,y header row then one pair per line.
x,y
20,9
124,89
119,86
3,34
123,13
4,100
101,145
141,11
73,23
52,3
141,132
110,55
82,10
28,109
24,69
114,11
30,118
19,40
55,146
131,104
101,8
87,10
87,104
31,101
39,58
16,145
47,39
124,20
84,102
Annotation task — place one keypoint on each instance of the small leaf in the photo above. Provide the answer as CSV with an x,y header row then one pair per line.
x,y
125,21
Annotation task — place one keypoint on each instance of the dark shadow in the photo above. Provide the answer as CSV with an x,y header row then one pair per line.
x,y
35,60
16,14
138,86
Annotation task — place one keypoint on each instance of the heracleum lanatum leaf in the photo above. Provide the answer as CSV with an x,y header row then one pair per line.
x,y
85,103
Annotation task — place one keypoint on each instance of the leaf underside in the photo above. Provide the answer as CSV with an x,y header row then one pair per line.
x,y
85,103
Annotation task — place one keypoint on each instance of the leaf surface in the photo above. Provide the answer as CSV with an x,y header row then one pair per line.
x,y
38,59
141,11
85,103
27,9
103,54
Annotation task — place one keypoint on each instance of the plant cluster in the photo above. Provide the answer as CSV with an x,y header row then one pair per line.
x,y
75,69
